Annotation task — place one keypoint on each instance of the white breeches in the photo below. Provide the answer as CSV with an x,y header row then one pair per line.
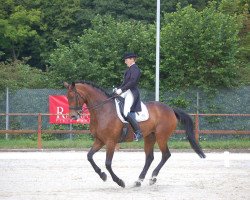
x,y
129,100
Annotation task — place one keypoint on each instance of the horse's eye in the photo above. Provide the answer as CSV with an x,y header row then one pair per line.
x,y
70,98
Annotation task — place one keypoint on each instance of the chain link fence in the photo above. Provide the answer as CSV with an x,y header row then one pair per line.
x,y
228,101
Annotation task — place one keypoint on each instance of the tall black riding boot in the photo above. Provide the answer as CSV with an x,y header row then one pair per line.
x,y
131,119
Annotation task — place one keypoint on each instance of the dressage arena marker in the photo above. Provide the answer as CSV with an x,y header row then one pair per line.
x,y
226,159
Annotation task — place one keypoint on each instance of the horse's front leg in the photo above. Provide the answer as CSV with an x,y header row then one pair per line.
x,y
109,156
96,147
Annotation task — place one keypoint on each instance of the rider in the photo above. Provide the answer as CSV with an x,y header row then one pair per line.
x,y
130,92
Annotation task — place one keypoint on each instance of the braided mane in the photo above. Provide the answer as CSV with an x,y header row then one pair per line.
x,y
95,86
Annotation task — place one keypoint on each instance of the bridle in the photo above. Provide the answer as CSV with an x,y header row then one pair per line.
x,y
77,96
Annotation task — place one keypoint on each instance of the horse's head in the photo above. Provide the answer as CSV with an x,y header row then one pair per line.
x,y
75,100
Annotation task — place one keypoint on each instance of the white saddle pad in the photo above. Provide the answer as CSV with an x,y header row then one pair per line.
x,y
141,116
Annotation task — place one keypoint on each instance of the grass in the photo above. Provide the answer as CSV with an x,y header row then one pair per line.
x,y
227,144
212,144
224,144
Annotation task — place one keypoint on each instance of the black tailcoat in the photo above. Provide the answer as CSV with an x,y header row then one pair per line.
x,y
131,80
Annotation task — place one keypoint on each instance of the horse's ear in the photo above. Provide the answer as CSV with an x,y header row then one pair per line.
x,y
66,85
72,86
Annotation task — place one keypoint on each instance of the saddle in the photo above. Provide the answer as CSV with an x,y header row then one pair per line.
x,y
139,116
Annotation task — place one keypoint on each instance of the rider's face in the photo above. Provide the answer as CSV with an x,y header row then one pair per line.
x,y
129,61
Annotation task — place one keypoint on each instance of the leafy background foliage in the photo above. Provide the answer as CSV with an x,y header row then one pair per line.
x,y
204,45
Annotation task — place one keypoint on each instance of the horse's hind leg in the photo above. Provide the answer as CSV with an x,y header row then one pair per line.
x,y
96,147
165,156
149,142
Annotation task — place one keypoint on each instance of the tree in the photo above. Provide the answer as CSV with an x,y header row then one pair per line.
x,y
199,48
17,26
97,55
241,8
18,74
65,20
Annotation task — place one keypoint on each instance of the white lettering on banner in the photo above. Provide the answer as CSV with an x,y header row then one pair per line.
x,y
59,112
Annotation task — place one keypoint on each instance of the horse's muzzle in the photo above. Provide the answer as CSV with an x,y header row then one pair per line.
x,y
74,117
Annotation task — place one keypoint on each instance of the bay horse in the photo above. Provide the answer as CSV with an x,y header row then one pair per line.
x,y
106,127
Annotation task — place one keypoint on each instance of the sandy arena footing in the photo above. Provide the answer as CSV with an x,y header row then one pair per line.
x,y
69,176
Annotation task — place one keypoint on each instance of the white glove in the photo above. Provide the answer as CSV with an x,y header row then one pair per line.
x,y
119,91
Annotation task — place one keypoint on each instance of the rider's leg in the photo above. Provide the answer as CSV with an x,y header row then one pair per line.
x,y
131,119
129,99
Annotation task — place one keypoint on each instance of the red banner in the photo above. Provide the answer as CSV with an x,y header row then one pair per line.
x,y
59,105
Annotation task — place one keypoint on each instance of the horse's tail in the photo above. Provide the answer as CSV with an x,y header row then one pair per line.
x,y
187,121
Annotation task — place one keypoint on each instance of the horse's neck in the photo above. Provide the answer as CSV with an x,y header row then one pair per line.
x,y
95,99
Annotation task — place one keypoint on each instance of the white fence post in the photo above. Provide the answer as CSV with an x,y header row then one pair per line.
x,y
7,113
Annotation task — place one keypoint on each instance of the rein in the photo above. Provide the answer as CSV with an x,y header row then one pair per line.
x,y
93,107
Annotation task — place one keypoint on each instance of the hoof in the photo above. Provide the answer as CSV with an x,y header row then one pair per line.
x,y
152,181
103,176
137,184
121,183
